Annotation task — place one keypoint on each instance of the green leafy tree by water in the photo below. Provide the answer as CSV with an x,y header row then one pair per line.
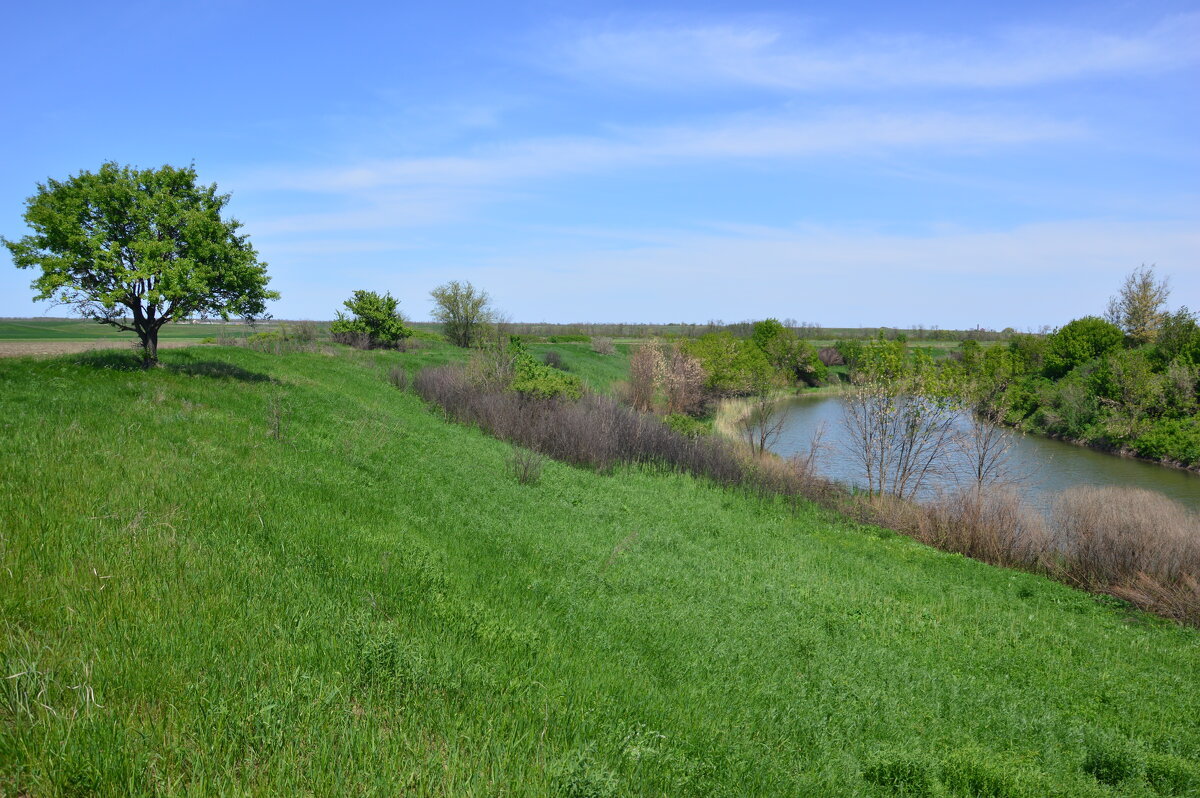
x,y
734,366
792,357
138,248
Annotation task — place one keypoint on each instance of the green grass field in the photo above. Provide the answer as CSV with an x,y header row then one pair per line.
x,y
246,573
83,330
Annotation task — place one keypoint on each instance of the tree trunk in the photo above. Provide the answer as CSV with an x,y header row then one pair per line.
x,y
149,347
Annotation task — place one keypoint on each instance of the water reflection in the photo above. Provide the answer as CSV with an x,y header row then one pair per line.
x,y
1042,467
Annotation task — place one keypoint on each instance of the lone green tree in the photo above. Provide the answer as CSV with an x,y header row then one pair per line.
x,y
463,310
373,316
137,248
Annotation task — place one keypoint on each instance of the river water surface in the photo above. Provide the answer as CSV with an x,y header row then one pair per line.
x,y
1042,467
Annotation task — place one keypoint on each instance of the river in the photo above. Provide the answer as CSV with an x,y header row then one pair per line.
x,y
1041,467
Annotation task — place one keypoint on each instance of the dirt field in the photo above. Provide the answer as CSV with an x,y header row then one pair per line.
x,y
44,348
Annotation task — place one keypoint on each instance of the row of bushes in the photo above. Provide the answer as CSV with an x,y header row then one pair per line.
x,y
1134,544
552,339
595,431
1083,383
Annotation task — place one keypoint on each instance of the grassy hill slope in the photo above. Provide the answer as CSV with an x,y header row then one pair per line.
x,y
277,574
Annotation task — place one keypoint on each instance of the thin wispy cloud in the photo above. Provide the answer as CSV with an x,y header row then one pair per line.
x,y
771,58
742,137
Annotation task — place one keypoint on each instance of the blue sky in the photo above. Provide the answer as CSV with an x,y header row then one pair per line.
x,y
846,164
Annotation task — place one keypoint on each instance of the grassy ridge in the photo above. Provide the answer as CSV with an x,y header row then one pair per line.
x,y
277,574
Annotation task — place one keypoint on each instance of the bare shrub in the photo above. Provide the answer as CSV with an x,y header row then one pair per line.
x,y
683,379
554,360
492,367
1179,600
986,447
898,435
305,332
645,369
762,424
603,346
830,356
398,377
595,431
525,465
992,525
795,478
358,340
1111,536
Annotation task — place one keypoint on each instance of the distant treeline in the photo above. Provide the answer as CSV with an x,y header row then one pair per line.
x,y
741,329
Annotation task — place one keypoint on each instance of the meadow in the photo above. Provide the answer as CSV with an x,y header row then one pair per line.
x,y
250,572
51,329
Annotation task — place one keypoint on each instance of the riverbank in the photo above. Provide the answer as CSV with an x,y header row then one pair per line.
x,y
731,411
1114,451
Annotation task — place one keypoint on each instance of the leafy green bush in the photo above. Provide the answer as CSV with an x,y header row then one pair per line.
x,y
1028,352
266,341
569,339
686,425
1069,408
1079,341
1178,339
534,378
1174,439
850,350
375,317
734,366
792,357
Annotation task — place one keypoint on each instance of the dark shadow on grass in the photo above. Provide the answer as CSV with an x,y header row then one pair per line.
x,y
215,368
181,363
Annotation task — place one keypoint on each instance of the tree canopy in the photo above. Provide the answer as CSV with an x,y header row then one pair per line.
x,y
137,248
1138,306
734,366
463,311
1079,341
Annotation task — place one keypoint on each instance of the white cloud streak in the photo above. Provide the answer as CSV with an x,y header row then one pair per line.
x,y
425,190
765,57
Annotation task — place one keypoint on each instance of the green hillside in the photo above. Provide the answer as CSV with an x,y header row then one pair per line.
x,y
247,573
